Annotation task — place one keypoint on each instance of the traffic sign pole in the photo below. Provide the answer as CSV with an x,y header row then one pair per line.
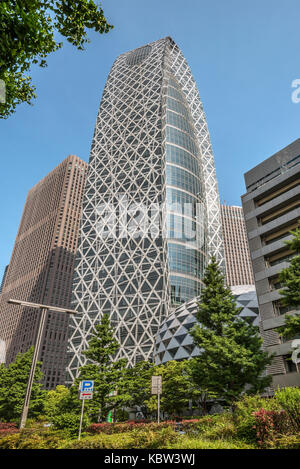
x,y
86,389
157,389
81,417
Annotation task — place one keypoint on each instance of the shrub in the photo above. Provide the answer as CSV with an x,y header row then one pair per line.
x,y
201,443
289,399
137,439
8,428
222,428
287,442
111,428
102,441
150,439
32,438
9,441
70,422
270,424
264,427
244,414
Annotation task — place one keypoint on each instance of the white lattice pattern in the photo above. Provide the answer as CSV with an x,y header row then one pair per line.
x,y
128,276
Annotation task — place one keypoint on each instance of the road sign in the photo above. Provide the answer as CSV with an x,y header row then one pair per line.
x,y
86,386
156,385
85,395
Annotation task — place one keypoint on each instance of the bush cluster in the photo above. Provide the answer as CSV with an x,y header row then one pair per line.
x,y
137,439
125,427
255,422
8,428
31,439
270,422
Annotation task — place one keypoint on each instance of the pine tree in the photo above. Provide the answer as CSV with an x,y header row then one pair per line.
x,y
232,360
106,374
13,385
290,281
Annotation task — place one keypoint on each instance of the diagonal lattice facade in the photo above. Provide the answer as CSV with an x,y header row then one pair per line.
x,y
173,342
150,157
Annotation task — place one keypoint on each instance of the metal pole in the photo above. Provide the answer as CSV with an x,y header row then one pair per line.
x,y
33,366
158,408
81,417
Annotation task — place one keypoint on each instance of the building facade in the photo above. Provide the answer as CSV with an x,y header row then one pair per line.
x,y
173,341
236,248
41,268
3,278
272,209
151,214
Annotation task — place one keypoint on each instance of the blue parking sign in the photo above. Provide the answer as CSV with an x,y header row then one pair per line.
x,y
87,386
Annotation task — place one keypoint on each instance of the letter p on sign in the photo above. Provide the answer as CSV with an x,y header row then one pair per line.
x,y
87,386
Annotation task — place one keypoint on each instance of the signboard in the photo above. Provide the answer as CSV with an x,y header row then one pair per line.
x,y
86,389
85,395
86,385
156,384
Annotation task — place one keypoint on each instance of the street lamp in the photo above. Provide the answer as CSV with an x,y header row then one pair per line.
x,y
44,309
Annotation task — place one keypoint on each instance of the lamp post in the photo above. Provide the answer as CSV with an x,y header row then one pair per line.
x,y
44,309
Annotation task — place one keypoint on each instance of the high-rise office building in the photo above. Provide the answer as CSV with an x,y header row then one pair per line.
x,y
236,248
41,268
151,213
272,209
3,278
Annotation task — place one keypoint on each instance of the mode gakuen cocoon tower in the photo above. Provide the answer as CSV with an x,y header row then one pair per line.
x,y
151,212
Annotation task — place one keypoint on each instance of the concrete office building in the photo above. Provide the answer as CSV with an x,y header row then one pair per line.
x,y
236,248
41,268
272,208
151,152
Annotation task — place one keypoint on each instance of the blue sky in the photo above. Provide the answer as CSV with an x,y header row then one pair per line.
x,y
243,55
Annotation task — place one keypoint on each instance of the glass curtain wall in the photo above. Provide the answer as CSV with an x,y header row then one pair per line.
x,y
184,196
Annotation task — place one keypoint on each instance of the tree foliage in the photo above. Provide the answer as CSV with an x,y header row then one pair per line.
x,y
175,388
53,399
135,386
231,359
28,31
290,281
13,385
106,373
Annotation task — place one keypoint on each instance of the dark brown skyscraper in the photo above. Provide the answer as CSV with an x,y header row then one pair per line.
x,y
41,267
237,253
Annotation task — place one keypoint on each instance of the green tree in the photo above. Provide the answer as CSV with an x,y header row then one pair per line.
x,y
13,385
106,373
28,31
231,359
53,399
176,388
290,281
199,394
135,387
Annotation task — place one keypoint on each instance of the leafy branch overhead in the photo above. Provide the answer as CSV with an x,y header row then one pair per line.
x,y
28,35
